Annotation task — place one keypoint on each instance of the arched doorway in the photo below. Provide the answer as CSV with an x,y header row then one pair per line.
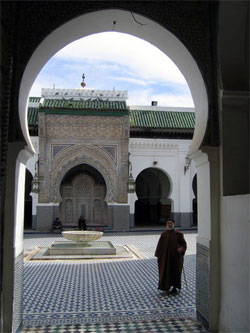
x,y
153,205
28,201
83,191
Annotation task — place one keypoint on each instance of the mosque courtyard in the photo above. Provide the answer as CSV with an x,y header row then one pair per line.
x,y
106,295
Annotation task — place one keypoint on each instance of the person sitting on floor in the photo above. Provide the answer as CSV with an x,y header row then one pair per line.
x,y
57,225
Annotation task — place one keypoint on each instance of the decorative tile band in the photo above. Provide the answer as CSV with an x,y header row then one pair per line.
x,y
18,292
202,282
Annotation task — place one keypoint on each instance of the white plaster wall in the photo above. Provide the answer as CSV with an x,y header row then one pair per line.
x,y
203,191
170,157
235,219
32,161
20,170
31,167
185,182
19,207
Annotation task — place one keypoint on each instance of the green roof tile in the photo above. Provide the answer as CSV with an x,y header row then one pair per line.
x,y
34,99
162,119
138,118
32,116
96,104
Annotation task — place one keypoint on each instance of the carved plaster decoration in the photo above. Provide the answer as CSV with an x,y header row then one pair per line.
x,y
111,150
83,197
152,145
84,154
41,127
57,149
85,93
59,126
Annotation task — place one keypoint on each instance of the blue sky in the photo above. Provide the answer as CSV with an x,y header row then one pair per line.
x,y
116,60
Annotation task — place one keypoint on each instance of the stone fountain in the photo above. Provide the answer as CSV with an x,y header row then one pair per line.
x,y
82,243
82,236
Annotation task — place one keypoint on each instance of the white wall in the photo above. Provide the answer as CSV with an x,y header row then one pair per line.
x,y
21,161
32,161
31,167
235,293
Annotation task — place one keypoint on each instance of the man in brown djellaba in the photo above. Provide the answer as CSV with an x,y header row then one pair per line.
x,y
170,252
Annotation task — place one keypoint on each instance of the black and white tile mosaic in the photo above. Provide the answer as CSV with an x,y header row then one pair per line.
x,y
107,296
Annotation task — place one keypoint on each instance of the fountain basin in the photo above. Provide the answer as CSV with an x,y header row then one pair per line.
x,y
82,236
81,248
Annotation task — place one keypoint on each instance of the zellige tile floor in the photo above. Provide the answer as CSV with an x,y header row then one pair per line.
x,y
107,295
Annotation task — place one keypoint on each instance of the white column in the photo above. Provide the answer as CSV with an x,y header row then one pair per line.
x,y
132,197
13,236
208,240
184,189
203,190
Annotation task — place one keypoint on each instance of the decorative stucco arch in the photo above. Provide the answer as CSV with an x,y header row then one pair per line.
x,y
84,154
101,21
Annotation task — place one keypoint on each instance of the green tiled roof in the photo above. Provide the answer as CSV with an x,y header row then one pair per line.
x,y
32,116
162,119
138,118
96,104
34,99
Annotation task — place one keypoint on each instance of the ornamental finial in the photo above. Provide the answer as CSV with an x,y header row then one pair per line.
x,y
83,84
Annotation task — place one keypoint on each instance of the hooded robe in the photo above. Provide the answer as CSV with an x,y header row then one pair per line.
x,y
170,261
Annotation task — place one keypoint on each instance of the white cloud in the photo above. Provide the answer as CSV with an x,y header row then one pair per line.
x,y
121,61
50,81
140,97
171,99
146,96
129,80
145,60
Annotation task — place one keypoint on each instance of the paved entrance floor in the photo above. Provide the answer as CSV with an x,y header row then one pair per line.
x,y
106,295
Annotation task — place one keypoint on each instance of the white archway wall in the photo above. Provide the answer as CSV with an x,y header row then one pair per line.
x,y
30,165
20,175
101,21
170,157
203,190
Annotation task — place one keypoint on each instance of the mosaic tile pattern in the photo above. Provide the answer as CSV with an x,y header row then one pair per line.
x,y
110,296
202,283
18,277
155,326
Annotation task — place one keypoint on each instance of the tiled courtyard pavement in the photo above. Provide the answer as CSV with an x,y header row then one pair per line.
x,y
106,295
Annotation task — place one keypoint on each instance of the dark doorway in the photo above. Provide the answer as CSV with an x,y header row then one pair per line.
x,y
195,218
28,201
153,205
